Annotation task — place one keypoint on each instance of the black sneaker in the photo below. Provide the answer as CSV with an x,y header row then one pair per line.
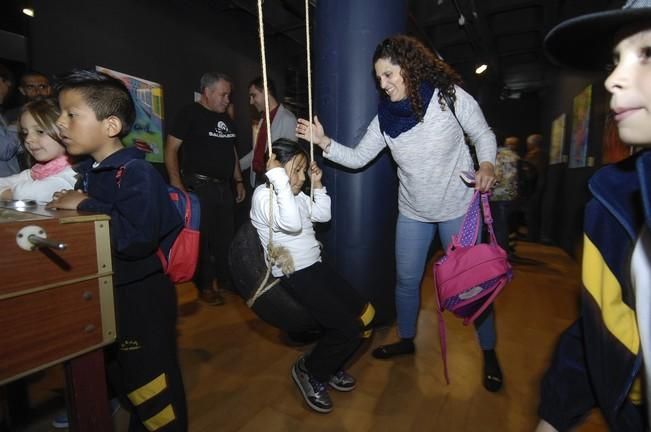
x,y
402,347
342,381
314,392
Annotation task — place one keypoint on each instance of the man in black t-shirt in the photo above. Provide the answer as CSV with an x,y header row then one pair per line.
x,y
209,166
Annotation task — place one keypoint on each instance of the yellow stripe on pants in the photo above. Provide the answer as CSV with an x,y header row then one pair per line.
x,y
149,390
161,419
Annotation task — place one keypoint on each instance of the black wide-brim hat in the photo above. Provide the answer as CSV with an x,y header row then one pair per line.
x,y
586,42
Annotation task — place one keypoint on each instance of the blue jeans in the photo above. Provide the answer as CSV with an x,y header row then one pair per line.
x,y
413,240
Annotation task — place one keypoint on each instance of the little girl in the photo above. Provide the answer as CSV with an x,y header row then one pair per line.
x,y
51,170
333,303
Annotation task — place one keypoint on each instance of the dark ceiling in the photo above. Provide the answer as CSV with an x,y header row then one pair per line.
x,y
507,35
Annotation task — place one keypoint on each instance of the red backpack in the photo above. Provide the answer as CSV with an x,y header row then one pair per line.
x,y
179,251
179,255
470,276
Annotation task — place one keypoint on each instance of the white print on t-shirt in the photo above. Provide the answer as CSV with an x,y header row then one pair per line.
x,y
222,131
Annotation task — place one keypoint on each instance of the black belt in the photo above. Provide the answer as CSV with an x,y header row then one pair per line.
x,y
207,179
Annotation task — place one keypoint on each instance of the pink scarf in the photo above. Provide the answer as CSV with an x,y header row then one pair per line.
x,y
41,171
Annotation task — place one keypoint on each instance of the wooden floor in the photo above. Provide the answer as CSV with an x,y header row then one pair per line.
x,y
236,368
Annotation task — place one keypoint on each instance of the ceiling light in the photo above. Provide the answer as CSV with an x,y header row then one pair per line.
x,y
481,69
29,12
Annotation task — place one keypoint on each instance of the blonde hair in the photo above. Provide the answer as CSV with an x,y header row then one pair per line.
x,y
45,112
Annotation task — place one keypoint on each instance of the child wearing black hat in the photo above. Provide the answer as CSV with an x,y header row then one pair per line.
x,y
599,360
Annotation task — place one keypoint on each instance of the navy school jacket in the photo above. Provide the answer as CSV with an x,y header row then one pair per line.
x,y
599,358
141,212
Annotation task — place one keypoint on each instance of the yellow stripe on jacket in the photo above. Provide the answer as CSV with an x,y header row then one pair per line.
x,y
603,286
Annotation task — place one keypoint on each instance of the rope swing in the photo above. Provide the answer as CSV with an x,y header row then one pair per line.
x,y
278,255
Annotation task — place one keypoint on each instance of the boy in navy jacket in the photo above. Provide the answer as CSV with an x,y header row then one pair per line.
x,y
96,111
604,359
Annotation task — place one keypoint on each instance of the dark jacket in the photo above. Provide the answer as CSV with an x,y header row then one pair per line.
x,y
598,359
136,198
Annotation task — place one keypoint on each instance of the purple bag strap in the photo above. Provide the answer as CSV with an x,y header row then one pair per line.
x,y
488,216
469,230
442,337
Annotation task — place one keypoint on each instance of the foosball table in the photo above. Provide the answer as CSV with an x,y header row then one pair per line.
x,y
56,303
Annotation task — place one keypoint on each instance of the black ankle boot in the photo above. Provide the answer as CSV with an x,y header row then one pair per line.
x,y
402,347
492,372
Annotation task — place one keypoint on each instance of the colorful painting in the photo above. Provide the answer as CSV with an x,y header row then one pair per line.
x,y
580,125
557,140
147,130
613,150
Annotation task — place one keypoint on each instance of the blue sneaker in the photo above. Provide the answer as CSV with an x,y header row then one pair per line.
x,y
342,381
314,392
61,420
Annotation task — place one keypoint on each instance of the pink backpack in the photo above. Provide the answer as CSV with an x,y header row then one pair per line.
x,y
470,275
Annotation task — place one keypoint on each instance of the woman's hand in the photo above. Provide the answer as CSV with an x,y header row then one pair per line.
x,y
316,175
318,134
273,162
485,177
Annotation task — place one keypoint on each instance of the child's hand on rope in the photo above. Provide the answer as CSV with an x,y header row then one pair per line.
x,y
316,174
318,134
273,162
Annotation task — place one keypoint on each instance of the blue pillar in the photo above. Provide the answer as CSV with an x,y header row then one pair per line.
x,y
360,240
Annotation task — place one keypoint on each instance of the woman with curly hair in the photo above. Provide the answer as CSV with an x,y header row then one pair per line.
x,y
427,143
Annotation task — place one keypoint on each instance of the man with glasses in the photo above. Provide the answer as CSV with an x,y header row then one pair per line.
x,y
33,85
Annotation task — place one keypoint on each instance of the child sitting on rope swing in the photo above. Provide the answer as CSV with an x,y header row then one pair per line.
x,y
335,305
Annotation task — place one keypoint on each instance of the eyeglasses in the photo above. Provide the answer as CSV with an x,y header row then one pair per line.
x,y
36,86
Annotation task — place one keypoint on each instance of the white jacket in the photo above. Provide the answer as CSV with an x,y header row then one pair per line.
x,y
293,219
24,187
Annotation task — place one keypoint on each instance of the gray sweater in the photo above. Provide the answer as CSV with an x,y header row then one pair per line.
x,y
430,157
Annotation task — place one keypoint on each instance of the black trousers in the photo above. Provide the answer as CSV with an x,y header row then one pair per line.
x,y
503,222
217,230
337,307
144,369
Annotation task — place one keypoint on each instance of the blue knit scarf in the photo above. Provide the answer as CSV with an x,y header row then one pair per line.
x,y
398,117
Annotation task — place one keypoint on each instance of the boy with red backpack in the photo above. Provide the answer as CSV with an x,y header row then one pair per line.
x,y
96,111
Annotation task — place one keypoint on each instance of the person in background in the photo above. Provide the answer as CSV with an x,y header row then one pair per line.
x,y
537,157
505,192
283,125
10,148
33,86
205,134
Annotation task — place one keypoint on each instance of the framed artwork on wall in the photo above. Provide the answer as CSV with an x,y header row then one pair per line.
x,y
557,140
580,127
147,130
